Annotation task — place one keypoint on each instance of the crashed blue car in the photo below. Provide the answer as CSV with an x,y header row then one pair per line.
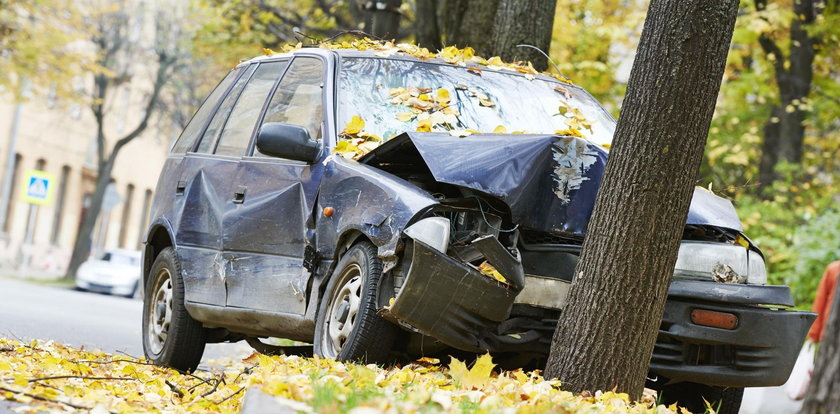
x,y
379,204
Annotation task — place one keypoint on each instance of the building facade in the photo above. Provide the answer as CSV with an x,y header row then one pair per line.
x,y
60,138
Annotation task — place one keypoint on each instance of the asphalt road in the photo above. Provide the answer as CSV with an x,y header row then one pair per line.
x,y
112,324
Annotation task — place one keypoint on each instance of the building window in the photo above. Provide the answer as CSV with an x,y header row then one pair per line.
x,y
144,218
126,214
7,227
59,205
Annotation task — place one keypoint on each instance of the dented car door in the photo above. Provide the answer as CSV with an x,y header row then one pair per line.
x,y
265,233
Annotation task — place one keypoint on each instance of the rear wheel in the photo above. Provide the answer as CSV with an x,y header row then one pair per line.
x,y
171,337
348,327
691,395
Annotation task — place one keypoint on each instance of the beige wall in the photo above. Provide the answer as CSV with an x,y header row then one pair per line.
x,y
52,133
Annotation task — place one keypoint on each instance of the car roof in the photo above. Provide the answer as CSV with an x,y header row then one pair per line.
x,y
378,54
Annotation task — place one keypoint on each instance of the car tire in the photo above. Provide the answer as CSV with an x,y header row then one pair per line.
x,y
171,337
348,327
725,400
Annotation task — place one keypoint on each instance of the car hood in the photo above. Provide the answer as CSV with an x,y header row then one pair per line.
x,y
549,182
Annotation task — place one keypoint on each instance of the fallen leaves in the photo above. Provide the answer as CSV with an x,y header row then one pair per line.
x,y
120,385
354,141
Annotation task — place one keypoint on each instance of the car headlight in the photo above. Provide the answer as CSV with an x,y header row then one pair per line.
x,y
433,231
697,259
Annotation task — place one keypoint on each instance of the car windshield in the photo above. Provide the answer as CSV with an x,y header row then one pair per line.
x,y
392,96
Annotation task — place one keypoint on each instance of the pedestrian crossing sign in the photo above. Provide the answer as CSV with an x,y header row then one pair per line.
x,y
37,187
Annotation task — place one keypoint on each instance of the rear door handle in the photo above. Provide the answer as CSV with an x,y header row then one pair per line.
x,y
239,195
180,187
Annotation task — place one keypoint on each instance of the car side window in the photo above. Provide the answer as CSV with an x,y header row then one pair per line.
x,y
193,128
214,129
237,131
298,99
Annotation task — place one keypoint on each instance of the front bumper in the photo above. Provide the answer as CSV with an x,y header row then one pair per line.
x,y
454,303
759,352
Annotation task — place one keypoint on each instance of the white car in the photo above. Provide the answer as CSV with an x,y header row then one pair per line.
x,y
116,272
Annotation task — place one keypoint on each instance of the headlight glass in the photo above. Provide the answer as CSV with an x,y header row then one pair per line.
x,y
433,231
697,259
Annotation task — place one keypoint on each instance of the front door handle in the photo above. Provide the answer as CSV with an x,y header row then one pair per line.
x,y
180,187
239,195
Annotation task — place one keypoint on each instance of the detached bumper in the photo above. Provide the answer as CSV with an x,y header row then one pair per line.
x,y
759,351
450,301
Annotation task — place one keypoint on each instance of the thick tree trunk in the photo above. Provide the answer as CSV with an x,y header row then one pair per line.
x,y
426,30
84,240
823,395
607,331
469,23
523,22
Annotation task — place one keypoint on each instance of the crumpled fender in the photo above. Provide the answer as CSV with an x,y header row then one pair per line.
x,y
366,199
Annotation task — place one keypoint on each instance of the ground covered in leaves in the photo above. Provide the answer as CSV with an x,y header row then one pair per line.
x,y
53,377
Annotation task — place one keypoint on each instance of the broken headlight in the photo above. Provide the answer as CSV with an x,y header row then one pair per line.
x,y
433,231
697,260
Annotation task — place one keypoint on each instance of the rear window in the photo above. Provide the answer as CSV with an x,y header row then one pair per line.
x,y
196,124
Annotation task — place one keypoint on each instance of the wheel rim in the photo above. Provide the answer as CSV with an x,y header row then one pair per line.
x,y
160,311
343,311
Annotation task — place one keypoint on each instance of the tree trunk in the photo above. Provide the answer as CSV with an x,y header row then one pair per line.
x,y
608,328
523,22
426,31
823,396
783,142
469,23
82,246
383,18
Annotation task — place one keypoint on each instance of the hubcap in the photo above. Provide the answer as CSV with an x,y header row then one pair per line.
x,y
160,311
342,312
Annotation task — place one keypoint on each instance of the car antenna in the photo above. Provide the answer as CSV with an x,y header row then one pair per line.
x,y
546,56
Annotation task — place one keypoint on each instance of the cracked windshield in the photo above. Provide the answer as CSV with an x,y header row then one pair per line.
x,y
382,98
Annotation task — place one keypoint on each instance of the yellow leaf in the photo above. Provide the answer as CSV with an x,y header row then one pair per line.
x,y
489,270
572,132
477,376
424,125
21,380
5,366
443,95
344,146
356,125
404,116
501,129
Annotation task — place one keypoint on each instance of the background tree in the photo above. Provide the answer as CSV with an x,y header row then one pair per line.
x,y
606,333
491,27
118,54
36,46
823,396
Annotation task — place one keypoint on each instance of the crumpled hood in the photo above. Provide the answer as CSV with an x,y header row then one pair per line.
x,y
549,182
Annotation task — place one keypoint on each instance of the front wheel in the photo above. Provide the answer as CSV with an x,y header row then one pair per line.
x,y
171,337
348,327
691,396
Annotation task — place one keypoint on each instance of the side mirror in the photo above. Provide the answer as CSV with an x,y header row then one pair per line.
x,y
277,139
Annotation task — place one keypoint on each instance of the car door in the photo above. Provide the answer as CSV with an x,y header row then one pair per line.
x,y
203,182
266,234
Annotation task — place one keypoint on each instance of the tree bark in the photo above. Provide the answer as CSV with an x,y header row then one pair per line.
x,y
469,23
426,30
606,333
823,396
383,18
523,22
793,77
